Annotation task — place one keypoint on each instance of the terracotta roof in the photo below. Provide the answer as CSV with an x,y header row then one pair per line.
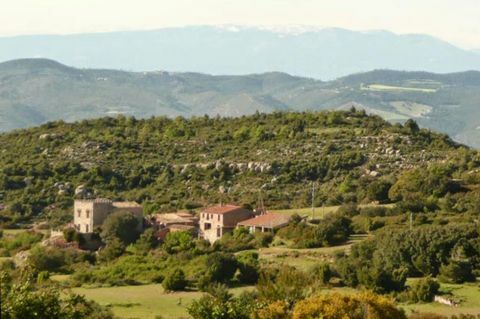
x,y
269,220
221,209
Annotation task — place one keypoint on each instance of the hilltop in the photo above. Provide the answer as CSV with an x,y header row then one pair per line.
x,y
173,164
35,91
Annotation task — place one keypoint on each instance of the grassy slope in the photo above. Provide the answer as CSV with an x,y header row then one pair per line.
x,y
144,302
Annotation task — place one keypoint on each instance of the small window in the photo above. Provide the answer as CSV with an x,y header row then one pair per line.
x,y
219,232
207,226
86,228
88,213
79,212
218,217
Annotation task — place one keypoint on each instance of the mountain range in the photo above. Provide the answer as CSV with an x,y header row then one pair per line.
x,y
321,53
34,91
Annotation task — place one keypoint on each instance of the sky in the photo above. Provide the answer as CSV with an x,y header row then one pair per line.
x,y
456,21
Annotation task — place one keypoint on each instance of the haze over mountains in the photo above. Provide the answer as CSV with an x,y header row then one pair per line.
x,y
325,54
34,91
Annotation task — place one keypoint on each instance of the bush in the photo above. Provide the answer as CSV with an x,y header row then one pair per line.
x,y
322,273
175,281
220,268
423,290
178,241
347,306
112,250
248,268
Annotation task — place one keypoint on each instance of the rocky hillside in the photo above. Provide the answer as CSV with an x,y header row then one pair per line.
x,y
171,164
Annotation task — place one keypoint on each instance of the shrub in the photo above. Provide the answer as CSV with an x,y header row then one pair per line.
x,y
322,273
347,306
248,268
423,290
178,241
175,281
220,268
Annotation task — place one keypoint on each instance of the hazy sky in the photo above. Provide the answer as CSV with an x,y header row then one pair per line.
x,y
457,21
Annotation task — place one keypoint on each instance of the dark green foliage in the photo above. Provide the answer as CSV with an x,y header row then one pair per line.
x,y
333,229
456,272
144,160
178,241
55,259
10,245
122,226
218,303
285,284
239,239
146,242
175,281
423,290
23,299
384,262
322,273
248,267
125,270
112,250
220,268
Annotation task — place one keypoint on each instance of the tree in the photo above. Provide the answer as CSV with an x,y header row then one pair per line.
x,y
175,281
178,241
248,266
24,299
146,242
358,306
220,268
411,126
121,225
456,272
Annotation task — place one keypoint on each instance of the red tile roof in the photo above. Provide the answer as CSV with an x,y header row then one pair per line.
x,y
221,209
269,220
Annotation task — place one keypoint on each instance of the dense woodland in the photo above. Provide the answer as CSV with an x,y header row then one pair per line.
x,y
428,229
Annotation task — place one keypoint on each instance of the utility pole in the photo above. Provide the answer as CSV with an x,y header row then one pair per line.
x,y
313,200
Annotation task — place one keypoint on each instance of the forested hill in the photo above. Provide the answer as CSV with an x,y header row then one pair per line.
x,y
177,163
35,91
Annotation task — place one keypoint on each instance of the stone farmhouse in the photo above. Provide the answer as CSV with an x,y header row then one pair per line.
x,y
172,222
218,220
91,213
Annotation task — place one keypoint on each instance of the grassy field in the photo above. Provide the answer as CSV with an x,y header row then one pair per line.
x,y
304,259
145,301
382,87
320,212
468,294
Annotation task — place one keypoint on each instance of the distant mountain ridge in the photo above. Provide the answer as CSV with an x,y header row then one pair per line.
x,y
34,91
321,53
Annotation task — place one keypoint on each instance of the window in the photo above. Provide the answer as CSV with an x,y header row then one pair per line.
x,y
86,228
88,213
207,226
218,217
219,232
79,212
